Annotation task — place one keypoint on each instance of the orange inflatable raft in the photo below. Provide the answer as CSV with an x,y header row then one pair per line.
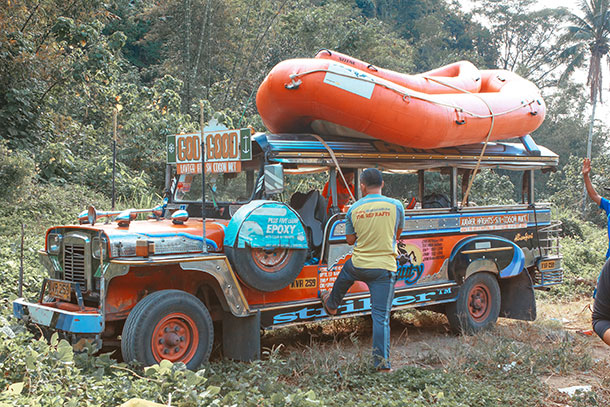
x,y
334,94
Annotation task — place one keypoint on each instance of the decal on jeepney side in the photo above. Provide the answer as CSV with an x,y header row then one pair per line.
x,y
270,224
523,237
328,275
410,263
493,222
421,260
353,306
418,260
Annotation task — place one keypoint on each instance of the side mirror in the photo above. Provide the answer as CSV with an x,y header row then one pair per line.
x,y
274,179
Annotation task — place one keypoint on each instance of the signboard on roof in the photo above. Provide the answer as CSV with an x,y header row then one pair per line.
x,y
225,150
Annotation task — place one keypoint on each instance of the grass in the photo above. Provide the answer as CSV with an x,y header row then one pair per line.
x,y
327,363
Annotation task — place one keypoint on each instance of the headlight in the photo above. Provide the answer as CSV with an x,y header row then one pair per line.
x,y
54,242
97,247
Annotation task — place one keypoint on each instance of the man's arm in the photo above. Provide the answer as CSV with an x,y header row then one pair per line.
x,y
398,233
586,169
351,239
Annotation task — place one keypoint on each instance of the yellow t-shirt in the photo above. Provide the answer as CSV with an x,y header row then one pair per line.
x,y
375,219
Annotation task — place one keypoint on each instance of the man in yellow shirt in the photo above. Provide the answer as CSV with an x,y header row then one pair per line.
x,y
373,224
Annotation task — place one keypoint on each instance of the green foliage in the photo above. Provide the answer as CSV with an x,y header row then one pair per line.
x,y
41,373
566,186
491,188
65,68
497,368
527,40
16,172
583,247
439,33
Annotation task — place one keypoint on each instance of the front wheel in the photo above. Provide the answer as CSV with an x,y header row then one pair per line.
x,y
477,306
168,324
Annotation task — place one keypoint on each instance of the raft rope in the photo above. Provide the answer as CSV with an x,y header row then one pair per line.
x,y
491,127
405,95
334,158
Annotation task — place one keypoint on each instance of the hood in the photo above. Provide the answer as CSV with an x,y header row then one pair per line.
x,y
163,236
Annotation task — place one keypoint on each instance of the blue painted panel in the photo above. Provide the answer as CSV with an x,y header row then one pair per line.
x,y
72,322
266,224
514,268
337,236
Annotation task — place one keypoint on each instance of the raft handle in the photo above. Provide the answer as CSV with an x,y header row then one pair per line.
x,y
459,117
372,68
293,84
533,112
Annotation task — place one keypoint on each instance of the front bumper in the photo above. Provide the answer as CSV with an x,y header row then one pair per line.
x,y
58,319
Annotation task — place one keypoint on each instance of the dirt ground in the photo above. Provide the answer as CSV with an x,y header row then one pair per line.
x,y
424,339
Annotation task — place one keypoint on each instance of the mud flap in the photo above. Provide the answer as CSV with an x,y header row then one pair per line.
x,y
518,300
241,337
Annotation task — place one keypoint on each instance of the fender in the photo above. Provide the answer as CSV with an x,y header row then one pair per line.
x,y
485,253
216,266
266,224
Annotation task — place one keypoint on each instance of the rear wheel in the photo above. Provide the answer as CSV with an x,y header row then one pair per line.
x,y
267,269
477,306
168,324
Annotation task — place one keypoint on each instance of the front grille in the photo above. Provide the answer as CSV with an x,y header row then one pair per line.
x,y
74,264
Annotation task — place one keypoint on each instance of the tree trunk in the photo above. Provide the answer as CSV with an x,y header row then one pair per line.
x,y
589,142
186,103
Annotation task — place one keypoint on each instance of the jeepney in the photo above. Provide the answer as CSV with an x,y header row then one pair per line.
x,y
159,290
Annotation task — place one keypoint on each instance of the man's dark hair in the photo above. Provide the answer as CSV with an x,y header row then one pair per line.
x,y
371,177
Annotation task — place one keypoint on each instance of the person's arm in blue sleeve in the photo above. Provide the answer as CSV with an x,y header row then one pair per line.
x,y
586,170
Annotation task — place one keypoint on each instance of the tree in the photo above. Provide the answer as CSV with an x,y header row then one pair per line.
x,y
528,42
438,33
589,36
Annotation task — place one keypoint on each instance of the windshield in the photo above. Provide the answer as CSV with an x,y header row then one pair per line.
x,y
233,187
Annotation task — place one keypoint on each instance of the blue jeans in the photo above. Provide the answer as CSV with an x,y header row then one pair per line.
x,y
381,286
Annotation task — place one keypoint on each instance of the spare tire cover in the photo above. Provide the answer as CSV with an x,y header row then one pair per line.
x,y
266,244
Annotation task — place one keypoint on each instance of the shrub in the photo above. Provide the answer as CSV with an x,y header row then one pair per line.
x,y
16,172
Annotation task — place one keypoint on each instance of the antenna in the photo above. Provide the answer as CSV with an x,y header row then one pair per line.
x,y
204,242
114,125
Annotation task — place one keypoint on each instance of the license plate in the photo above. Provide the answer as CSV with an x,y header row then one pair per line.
x,y
60,290
547,265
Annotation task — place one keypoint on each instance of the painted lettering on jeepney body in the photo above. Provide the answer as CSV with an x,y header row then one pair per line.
x,y
357,305
493,222
410,263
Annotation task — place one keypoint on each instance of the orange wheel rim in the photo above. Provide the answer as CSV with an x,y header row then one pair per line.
x,y
271,260
175,338
479,302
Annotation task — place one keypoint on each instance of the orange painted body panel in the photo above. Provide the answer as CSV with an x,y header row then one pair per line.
x,y
294,292
462,74
125,291
395,113
431,254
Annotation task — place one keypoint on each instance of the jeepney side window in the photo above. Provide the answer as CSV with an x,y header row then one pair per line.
x,y
230,187
403,187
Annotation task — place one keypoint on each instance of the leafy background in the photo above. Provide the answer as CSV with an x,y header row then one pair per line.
x,y
65,66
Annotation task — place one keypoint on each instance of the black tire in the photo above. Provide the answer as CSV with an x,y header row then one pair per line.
x,y
267,270
477,306
179,320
